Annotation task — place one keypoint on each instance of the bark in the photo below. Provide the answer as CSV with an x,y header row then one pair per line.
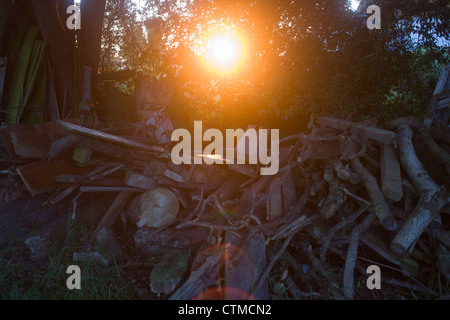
x,y
352,253
381,208
432,197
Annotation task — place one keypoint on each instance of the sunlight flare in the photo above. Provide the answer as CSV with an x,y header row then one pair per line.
x,y
225,52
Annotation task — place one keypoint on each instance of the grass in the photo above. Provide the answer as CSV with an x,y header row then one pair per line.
x,y
21,278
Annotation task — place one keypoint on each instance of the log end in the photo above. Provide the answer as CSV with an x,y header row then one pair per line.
x,y
399,250
389,223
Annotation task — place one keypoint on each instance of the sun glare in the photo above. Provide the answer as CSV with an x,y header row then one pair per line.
x,y
225,52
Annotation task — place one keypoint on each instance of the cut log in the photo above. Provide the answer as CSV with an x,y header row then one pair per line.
x,y
275,200
110,245
381,208
169,272
439,153
432,197
352,254
244,267
376,242
336,197
373,133
391,177
156,208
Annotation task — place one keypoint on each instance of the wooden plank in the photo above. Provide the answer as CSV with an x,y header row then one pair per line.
x,y
113,211
111,138
61,195
174,176
179,169
244,265
373,133
245,169
391,177
40,176
32,141
320,150
289,193
138,180
202,173
107,182
109,189
230,188
276,200
31,145
103,174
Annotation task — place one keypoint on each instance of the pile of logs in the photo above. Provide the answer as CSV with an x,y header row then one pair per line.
x,y
224,231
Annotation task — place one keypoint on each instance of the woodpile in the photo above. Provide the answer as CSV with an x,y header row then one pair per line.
x,y
226,231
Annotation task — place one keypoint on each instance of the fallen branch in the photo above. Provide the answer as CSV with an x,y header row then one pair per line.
x,y
352,253
381,208
432,197
340,225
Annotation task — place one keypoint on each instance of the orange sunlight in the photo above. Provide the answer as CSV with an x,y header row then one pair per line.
x,y
225,52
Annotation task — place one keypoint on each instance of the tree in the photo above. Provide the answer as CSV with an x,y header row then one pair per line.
x,y
303,57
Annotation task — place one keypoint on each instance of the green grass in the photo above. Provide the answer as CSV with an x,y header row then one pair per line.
x,y
24,279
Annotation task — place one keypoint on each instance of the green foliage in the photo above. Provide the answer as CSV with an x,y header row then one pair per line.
x,y
303,57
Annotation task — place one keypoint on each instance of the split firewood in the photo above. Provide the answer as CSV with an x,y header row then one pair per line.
x,y
169,272
376,241
201,278
381,208
336,197
391,178
155,208
114,211
432,197
340,225
343,171
245,266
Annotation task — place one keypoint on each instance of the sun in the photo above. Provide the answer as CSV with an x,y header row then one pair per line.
x,y
225,52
